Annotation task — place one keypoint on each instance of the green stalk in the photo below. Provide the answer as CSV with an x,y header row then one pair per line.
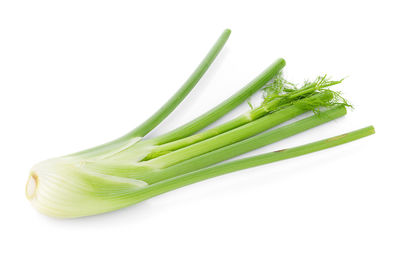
x,y
170,105
178,97
150,170
236,134
224,107
244,146
225,127
224,139
274,100
228,167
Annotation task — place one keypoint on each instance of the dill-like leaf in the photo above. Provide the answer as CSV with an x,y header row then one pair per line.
x,y
280,93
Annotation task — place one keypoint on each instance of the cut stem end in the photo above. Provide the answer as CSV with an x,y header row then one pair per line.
x,y
31,186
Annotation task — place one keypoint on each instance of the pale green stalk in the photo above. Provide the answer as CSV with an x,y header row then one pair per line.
x,y
218,148
170,105
244,146
228,167
224,107
237,134
282,103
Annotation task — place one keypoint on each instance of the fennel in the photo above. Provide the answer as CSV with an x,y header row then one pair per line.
x,y
132,168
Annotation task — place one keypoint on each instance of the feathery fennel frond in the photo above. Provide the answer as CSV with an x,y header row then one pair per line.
x,y
280,93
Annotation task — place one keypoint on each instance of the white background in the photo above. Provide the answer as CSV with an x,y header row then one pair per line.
x,y
74,74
